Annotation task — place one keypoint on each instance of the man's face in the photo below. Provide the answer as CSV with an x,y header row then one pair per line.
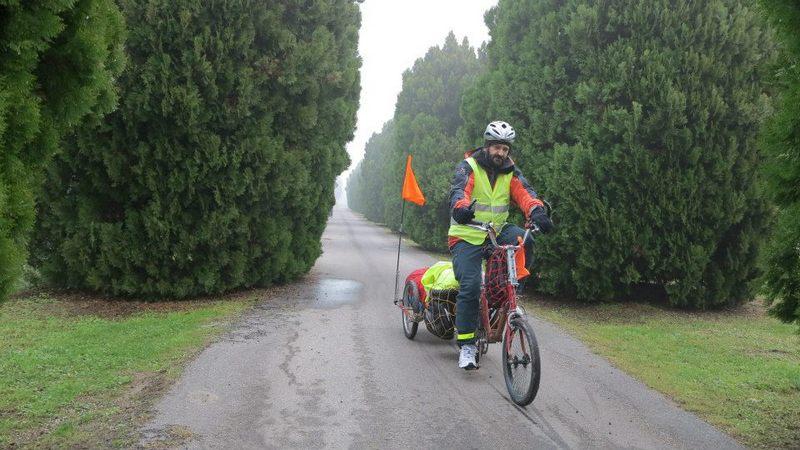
x,y
498,154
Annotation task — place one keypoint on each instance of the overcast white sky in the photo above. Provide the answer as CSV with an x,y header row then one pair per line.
x,y
394,33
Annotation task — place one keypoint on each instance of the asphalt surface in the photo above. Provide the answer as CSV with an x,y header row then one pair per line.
x,y
324,363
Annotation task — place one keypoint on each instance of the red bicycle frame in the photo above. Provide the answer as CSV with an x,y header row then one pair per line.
x,y
508,308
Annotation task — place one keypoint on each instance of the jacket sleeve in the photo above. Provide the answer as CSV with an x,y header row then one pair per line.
x,y
461,188
523,194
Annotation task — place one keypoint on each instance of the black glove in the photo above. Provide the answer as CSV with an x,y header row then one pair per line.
x,y
463,215
539,217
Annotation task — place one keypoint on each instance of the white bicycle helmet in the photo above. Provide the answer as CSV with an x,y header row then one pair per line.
x,y
500,131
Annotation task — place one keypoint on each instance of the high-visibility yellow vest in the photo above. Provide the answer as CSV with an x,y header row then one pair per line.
x,y
491,204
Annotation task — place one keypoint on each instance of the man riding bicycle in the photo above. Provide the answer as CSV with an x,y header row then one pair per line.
x,y
489,177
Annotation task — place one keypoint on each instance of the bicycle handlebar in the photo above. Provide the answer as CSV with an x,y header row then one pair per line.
x,y
489,228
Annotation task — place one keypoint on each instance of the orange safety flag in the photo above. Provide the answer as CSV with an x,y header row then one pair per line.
x,y
411,190
519,260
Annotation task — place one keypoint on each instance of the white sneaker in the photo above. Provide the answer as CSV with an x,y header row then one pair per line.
x,y
466,359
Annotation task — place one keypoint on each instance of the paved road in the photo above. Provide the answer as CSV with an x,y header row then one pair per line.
x,y
324,363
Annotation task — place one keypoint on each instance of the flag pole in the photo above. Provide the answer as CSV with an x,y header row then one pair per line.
x,y
414,195
399,243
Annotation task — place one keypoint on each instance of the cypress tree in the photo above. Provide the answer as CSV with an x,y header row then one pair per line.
x,y
217,171
58,60
353,189
638,119
366,183
782,146
427,121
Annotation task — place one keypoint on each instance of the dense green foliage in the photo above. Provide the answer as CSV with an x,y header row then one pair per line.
x,y
639,120
217,170
782,146
58,60
426,123
366,183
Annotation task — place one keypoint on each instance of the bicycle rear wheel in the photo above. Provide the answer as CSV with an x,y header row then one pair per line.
x,y
409,299
521,363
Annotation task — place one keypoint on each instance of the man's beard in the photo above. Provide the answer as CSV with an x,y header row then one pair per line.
x,y
498,161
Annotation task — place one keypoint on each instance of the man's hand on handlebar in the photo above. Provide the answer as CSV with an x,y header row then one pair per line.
x,y
538,220
538,217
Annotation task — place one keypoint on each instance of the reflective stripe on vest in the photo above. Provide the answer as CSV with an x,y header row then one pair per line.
x,y
491,204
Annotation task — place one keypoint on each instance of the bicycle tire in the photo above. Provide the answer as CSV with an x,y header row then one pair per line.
x,y
522,389
410,292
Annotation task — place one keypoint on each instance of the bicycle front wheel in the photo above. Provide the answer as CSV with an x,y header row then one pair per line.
x,y
521,363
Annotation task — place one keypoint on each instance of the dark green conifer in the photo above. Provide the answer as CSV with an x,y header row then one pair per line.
x,y
427,120
58,60
638,119
217,170
425,124
365,184
782,147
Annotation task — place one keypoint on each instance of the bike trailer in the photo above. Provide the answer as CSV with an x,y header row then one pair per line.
x,y
434,299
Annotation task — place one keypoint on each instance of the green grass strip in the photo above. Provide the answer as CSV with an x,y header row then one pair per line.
x,y
60,372
739,371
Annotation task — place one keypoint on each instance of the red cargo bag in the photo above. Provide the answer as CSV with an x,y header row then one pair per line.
x,y
416,277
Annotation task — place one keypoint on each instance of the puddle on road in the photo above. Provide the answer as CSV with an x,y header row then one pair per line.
x,y
333,293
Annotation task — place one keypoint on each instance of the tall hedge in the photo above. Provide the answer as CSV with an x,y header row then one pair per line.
x,y
217,170
366,183
425,123
782,146
638,119
58,60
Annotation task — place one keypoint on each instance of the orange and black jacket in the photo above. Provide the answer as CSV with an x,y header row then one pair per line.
x,y
522,194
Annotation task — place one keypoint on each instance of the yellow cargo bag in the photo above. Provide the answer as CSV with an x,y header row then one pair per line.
x,y
439,277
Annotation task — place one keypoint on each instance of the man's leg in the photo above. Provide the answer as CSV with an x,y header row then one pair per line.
x,y
467,267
